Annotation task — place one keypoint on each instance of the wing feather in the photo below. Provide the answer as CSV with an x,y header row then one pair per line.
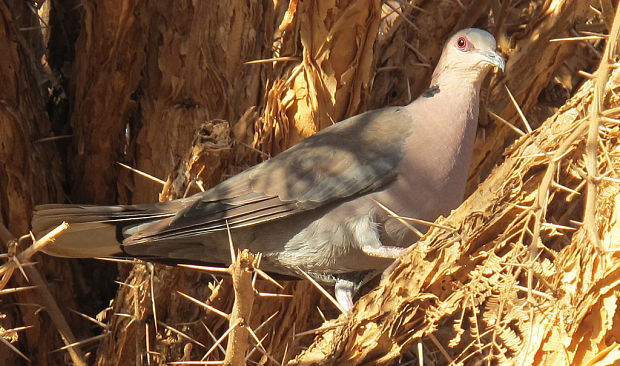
x,y
351,158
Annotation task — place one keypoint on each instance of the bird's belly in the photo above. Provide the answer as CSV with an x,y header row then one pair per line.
x,y
327,244
331,241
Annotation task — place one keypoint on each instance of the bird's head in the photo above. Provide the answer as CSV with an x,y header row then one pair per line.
x,y
468,53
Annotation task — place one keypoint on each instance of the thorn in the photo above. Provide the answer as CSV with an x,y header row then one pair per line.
x,y
219,341
205,268
259,344
419,54
441,348
265,276
16,289
139,172
53,138
402,16
321,314
556,226
87,340
196,363
525,122
184,335
394,215
319,329
266,321
264,154
233,257
535,292
420,353
124,284
204,305
147,343
151,269
212,336
323,291
254,348
20,267
580,38
513,127
14,349
564,188
269,294
273,59
91,319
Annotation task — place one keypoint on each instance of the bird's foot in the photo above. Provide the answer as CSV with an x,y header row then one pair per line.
x,y
344,291
397,260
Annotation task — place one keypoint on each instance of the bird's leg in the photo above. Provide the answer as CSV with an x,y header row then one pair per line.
x,y
344,290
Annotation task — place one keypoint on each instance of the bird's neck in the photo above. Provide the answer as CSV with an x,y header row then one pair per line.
x,y
459,99
451,108
449,111
453,75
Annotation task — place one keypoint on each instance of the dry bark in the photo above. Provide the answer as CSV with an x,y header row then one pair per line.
x,y
110,57
164,87
536,75
461,290
241,272
29,174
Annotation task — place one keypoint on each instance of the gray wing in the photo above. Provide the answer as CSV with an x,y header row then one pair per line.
x,y
353,157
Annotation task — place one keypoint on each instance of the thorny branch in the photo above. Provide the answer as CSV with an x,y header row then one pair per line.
x,y
45,296
602,75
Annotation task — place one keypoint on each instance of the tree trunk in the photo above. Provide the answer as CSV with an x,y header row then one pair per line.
x,y
30,173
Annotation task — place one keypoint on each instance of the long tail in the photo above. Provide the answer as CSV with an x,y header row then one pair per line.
x,y
94,231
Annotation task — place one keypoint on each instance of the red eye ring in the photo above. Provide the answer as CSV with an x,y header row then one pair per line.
x,y
461,43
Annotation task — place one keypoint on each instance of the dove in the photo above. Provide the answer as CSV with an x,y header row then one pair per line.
x,y
325,207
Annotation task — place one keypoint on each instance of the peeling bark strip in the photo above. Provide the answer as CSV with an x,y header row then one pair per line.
x,y
335,43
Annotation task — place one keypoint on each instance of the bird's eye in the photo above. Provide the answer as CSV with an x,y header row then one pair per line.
x,y
461,43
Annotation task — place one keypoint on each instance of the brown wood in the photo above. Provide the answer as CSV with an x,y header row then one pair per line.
x,y
30,173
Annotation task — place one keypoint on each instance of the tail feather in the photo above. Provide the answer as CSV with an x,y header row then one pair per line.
x,y
94,231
